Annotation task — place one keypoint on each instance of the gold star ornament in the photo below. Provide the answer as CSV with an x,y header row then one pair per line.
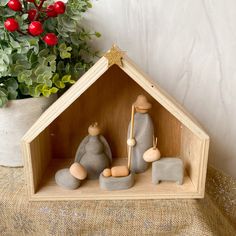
x,y
114,56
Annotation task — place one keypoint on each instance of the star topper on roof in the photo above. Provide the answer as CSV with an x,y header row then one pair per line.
x,y
114,56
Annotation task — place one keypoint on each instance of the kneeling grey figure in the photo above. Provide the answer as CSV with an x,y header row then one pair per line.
x,y
64,179
168,169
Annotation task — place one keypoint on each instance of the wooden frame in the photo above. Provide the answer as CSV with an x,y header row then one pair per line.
x,y
104,94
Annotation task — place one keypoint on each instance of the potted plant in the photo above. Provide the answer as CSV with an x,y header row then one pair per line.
x,y
43,50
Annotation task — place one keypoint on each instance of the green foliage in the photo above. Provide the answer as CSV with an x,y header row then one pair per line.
x,y
61,82
65,51
30,68
8,90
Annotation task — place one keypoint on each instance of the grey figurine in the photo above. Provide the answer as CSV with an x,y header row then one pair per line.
x,y
143,134
64,179
168,169
94,152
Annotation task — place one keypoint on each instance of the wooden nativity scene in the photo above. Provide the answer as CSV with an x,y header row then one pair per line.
x,y
115,134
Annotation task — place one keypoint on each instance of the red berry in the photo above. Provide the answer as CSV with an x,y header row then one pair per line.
x,y
35,28
11,24
15,5
30,0
31,14
51,12
50,39
59,7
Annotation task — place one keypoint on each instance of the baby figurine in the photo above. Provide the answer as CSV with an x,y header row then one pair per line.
x,y
96,155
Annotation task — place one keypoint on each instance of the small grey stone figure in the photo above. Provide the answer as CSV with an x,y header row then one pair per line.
x,y
94,153
168,169
72,177
143,134
64,179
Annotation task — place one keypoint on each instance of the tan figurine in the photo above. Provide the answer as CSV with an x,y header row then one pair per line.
x,y
152,154
78,171
94,129
107,172
94,152
119,171
116,171
142,105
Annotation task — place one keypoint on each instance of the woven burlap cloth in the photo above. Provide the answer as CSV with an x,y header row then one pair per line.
x,y
213,215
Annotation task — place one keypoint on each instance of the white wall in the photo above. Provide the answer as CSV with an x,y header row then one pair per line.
x,y
189,48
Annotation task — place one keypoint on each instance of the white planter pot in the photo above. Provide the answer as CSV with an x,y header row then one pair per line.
x,y
15,119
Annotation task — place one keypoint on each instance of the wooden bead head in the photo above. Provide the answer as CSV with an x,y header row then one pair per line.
x,y
141,104
94,129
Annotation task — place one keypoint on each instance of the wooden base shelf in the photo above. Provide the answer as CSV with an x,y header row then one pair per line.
x,y
90,190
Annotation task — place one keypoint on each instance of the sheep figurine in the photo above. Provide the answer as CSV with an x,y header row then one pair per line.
x,y
168,169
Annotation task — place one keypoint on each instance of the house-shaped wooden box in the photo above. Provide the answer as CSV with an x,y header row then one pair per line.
x,y
105,94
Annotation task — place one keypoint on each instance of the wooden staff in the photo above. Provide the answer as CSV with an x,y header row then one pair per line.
x,y
131,137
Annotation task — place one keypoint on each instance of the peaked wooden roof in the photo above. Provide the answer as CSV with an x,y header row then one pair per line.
x,y
113,56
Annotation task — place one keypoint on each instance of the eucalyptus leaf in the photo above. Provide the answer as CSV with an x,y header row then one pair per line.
x,y
43,53
54,90
11,84
24,16
68,24
3,2
12,94
24,89
65,54
8,51
62,47
3,96
66,78
39,70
